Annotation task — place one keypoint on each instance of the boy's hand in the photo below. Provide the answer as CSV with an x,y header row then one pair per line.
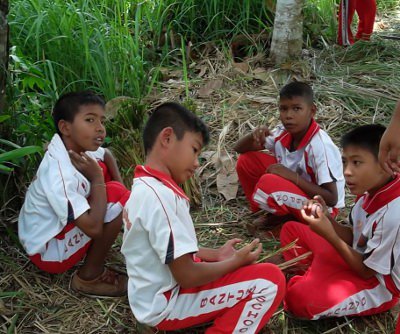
x,y
87,166
249,253
319,223
282,171
259,135
228,249
310,206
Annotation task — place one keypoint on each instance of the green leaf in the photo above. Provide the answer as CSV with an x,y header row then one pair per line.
x,y
19,152
4,118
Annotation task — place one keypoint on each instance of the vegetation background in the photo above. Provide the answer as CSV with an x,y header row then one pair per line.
x,y
211,56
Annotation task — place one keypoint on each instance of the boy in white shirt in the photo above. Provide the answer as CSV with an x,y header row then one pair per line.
x,y
67,204
354,270
302,160
173,283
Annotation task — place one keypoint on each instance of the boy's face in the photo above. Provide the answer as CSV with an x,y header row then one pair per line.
x,y
183,155
86,132
296,114
362,170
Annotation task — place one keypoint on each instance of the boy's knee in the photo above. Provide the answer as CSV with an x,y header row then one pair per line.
x,y
298,300
242,164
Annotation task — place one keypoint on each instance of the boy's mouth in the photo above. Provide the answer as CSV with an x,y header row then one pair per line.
x,y
99,140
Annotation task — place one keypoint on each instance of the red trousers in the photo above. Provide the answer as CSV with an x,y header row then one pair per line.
x,y
329,287
366,10
239,302
269,192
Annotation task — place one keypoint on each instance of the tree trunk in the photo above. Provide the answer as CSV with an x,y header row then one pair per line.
x,y
3,51
287,37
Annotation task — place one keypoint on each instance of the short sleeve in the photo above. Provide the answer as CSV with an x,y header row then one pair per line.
x,y
380,247
271,139
169,234
66,194
326,162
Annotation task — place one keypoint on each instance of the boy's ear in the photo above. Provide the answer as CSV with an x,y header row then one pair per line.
x,y
64,127
313,109
166,136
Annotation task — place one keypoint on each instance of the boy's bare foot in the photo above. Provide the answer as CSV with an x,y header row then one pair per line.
x,y
108,284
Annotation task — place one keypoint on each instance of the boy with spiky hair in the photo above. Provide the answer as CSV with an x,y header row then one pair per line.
x,y
173,283
302,161
354,270
73,207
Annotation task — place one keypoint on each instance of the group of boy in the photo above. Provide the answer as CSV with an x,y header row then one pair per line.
x,y
75,207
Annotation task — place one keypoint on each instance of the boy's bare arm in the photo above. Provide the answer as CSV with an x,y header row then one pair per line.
x,y
321,225
218,254
253,141
91,222
112,166
190,274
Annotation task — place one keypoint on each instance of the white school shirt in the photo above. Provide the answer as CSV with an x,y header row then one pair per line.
x,y
57,195
376,231
157,230
317,159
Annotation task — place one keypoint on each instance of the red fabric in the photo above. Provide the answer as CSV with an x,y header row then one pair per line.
x,y
283,197
227,319
250,167
116,192
366,10
327,282
106,173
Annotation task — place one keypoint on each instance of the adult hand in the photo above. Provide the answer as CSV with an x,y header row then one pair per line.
x,y
389,148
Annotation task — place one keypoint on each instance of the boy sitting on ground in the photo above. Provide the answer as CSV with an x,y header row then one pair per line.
x,y
73,207
173,283
304,161
354,270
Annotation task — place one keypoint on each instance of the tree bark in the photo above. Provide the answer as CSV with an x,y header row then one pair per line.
x,y
287,37
3,51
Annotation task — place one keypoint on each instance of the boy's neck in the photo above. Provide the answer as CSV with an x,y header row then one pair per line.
x,y
380,185
156,163
296,138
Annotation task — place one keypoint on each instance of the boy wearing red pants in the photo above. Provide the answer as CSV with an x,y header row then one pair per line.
x,y
73,207
304,161
366,10
354,270
173,283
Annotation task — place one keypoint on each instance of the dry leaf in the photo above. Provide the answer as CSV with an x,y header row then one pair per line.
x,y
227,178
241,67
210,87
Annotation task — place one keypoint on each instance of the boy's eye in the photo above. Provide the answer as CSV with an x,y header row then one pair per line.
x,y
90,120
297,108
195,150
357,163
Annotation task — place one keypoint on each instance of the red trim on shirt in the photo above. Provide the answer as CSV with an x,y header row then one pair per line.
x,y
286,138
141,171
309,170
382,197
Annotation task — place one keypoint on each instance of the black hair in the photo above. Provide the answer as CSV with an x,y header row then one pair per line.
x,y
67,106
297,88
367,137
177,117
